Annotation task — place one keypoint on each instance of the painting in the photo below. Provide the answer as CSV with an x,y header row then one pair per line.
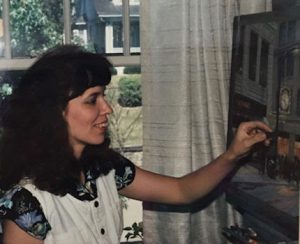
x,y
265,86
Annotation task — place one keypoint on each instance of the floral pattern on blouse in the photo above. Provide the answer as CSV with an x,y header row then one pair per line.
x,y
20,206
124,179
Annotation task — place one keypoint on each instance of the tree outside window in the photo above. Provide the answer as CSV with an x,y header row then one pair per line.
x,y
35,26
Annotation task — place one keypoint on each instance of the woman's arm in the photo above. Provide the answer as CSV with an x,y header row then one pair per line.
x,y
13,234
148,186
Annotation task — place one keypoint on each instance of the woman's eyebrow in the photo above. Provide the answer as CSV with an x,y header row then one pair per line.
x,y
95,93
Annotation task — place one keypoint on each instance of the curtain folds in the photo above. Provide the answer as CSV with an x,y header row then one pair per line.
x,y
186,55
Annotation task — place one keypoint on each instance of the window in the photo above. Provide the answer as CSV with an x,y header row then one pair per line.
x,y
291,31
35,26
264,62
289,64
286,65
253,55
135,34
240,56
282,33
108,26
117,34
134,26
1,33
287,32
124,94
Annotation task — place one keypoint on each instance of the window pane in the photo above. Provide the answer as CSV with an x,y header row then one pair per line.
x,y
124,94
240,61
97,25
134,26
35,26
291,31
253,56
1,31
117,34
264,63
282,33
290,64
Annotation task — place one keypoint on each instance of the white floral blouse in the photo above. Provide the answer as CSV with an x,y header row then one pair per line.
x,y
20,206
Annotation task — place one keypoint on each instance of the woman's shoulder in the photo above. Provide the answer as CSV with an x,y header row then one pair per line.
x,y
20,206
99,162
124,172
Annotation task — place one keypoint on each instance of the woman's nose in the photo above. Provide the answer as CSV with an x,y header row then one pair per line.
x,y
105,107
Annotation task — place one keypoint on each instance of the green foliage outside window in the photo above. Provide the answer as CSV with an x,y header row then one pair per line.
x,y
5,90
35,25
77,40
130,91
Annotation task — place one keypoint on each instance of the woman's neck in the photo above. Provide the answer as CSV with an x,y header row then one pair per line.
x,y
77,151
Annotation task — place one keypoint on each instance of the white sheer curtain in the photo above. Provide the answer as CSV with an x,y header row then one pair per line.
x,y
186,55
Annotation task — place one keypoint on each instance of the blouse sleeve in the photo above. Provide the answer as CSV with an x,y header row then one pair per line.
x,y
21,207
124,172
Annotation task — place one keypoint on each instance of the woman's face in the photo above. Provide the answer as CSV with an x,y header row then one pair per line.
x,y
87,118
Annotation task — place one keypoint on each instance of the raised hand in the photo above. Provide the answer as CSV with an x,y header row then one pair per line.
x,y
247,135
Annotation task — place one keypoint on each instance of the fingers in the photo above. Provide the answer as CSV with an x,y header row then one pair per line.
x,y
249,134
256,131
255,126
258,136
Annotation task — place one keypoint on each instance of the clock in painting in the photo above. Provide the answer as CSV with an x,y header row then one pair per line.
x,y
285,99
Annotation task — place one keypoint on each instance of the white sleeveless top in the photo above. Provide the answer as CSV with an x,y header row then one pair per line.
x,y
83,222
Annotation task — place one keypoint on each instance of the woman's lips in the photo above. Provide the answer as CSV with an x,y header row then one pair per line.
x,y
103,125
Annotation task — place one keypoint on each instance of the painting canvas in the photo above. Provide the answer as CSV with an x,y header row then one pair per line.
x,y
265,86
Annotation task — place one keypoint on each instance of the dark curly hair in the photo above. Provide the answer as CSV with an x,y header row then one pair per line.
x,y
34,140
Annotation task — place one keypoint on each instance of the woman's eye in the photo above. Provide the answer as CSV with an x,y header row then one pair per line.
x,y
91,100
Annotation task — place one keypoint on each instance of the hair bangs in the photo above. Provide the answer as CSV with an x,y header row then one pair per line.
x,y
89,74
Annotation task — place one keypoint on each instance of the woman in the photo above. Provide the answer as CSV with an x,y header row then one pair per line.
x,y
59,180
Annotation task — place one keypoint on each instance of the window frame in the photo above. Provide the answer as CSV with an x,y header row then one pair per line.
x,y
9,63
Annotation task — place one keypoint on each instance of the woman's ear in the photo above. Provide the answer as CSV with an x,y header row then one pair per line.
x,y
65,111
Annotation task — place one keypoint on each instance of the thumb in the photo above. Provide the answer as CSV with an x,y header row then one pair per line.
x,y
256,138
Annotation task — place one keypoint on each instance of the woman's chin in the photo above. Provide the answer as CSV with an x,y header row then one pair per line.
x,y
98,141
